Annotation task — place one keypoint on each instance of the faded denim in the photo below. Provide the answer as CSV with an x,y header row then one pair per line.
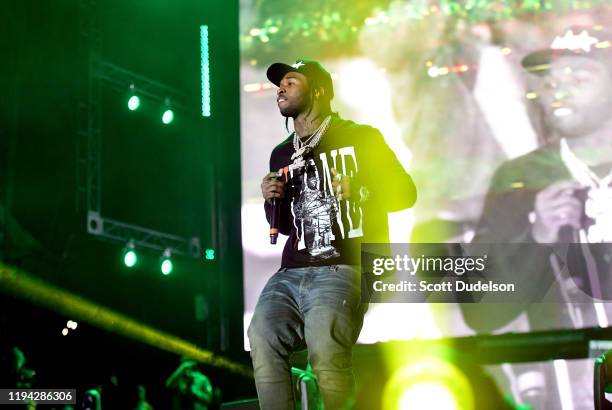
x,y
314,307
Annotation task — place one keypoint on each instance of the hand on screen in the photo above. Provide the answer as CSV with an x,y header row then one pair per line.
x,y
556,206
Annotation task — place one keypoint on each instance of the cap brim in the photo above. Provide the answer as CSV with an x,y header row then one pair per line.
x,y
539,61
277,71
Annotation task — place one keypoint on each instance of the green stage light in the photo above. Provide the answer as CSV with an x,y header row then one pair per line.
x,y
205,70
134,102
166,266
168,116
130,259
209,254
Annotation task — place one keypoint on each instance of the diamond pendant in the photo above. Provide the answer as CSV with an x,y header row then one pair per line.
x,y
298,162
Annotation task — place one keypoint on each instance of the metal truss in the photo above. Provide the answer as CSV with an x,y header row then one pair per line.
x,y
141,236
120,79
90,134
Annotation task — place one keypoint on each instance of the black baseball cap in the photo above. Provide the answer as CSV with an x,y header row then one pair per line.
x,y
309,68
583,41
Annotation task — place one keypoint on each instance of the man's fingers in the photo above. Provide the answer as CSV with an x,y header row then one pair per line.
x,y
552,203
562,188
271,175
562,215
274,188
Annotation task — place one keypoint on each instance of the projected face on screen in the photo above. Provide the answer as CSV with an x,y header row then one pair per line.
x,y
576,95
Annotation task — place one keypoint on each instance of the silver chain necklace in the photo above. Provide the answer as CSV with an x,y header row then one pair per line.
x,y
303,148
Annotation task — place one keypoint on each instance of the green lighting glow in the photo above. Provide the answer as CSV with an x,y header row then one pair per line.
x,y
205,69
130,259
166,266
209,254
134,102
167,116
428,383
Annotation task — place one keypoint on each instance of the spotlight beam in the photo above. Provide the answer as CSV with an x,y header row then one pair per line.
x,y
36,291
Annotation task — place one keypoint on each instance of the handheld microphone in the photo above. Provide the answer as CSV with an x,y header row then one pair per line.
x,y
274,221
275,203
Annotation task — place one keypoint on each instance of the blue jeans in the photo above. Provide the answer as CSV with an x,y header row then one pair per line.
x,y
315,307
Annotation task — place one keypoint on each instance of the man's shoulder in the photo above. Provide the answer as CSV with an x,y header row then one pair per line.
x,y
287,142
543,157
536,167
342,125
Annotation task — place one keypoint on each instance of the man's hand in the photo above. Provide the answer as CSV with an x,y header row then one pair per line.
x,y
555,207
341,184
272,187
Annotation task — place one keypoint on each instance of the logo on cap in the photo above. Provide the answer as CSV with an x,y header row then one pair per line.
x,y
573,42
298,64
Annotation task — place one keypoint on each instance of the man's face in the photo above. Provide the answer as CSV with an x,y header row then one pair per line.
x,y
292,96
576,95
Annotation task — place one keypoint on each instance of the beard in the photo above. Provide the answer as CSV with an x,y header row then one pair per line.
x,y
289,112
293,109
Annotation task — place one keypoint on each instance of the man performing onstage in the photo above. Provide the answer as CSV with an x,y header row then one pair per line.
x,y
334,181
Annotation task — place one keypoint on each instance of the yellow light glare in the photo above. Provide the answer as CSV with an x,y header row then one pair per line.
x,y
505,51
428,395
20,284
603,44
531,95
429,383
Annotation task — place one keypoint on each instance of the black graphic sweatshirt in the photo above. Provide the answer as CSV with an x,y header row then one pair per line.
x,y
321,229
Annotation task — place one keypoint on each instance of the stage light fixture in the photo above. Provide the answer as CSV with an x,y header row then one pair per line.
x,y
430,383
64,331
209,254
130,259
205,70
166,263
133,100
168,114
427,395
